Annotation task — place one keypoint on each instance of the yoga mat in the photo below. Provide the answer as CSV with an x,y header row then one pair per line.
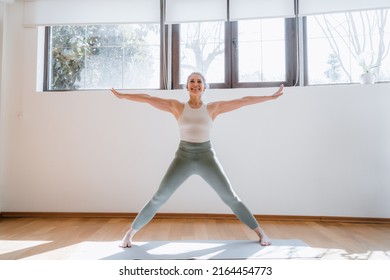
x,y
185,250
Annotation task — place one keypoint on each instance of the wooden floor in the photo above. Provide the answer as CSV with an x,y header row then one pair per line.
x,y
344,240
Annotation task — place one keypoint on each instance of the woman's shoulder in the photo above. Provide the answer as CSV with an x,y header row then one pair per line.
x,y
178,108
212,109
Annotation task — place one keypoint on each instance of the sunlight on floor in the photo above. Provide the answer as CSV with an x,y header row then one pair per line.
x,y
287,252
87,250
93,250
182,247
176,248
340,254
8,246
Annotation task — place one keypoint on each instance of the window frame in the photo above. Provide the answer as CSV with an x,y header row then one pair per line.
x,y
305,62
291,59
176,58
47,62
231,58
296,48
305,52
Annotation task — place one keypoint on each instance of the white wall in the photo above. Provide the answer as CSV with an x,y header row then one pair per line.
x,y
1,103
320,150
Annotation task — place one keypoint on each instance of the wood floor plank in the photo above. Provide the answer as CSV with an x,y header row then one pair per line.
x,y
51,234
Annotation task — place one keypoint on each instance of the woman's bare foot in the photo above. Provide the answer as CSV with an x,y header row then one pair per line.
x,y
263,238
128,239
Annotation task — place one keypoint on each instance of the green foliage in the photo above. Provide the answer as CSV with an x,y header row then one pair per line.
x,y
104,49
69,50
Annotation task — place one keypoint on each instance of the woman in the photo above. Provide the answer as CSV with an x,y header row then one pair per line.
x,y
195,154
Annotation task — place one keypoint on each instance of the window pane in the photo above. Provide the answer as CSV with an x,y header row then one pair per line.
x,y
342,46
103,68
106,35
202,49
261,50
104,56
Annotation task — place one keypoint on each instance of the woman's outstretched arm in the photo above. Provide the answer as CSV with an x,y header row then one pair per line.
x,y
169,105
219,107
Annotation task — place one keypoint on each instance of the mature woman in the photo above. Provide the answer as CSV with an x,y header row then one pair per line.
x,y
195,154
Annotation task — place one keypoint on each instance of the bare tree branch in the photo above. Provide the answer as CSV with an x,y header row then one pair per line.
x,y
363,34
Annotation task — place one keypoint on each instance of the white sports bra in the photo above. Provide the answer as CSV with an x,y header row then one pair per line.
x,y
195,124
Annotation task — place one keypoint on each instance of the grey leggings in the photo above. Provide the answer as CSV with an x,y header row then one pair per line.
x,y
195,158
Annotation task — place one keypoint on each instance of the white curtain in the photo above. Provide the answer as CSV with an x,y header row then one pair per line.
x,y
251,9
180,11
72,12
311,7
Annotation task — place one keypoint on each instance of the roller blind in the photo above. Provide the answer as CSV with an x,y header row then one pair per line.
x,y
72,12
181,11
251,9
310,7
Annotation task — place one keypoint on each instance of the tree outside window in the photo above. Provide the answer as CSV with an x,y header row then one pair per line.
x,y
342,46
103,56
248,53
202,49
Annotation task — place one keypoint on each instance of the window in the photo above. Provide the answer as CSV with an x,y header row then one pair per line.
x,y
200,47
342,46
247,53
337,48
264,52
256,41
103,56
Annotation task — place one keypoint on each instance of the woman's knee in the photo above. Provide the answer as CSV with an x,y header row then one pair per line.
x,y
231,199
159,198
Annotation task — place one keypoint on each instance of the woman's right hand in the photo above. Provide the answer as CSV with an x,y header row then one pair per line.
x,y
117,94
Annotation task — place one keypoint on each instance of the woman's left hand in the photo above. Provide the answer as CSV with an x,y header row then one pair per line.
x,y
279,92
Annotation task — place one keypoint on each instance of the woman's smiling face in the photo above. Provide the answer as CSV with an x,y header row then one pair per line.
x,y
196,84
